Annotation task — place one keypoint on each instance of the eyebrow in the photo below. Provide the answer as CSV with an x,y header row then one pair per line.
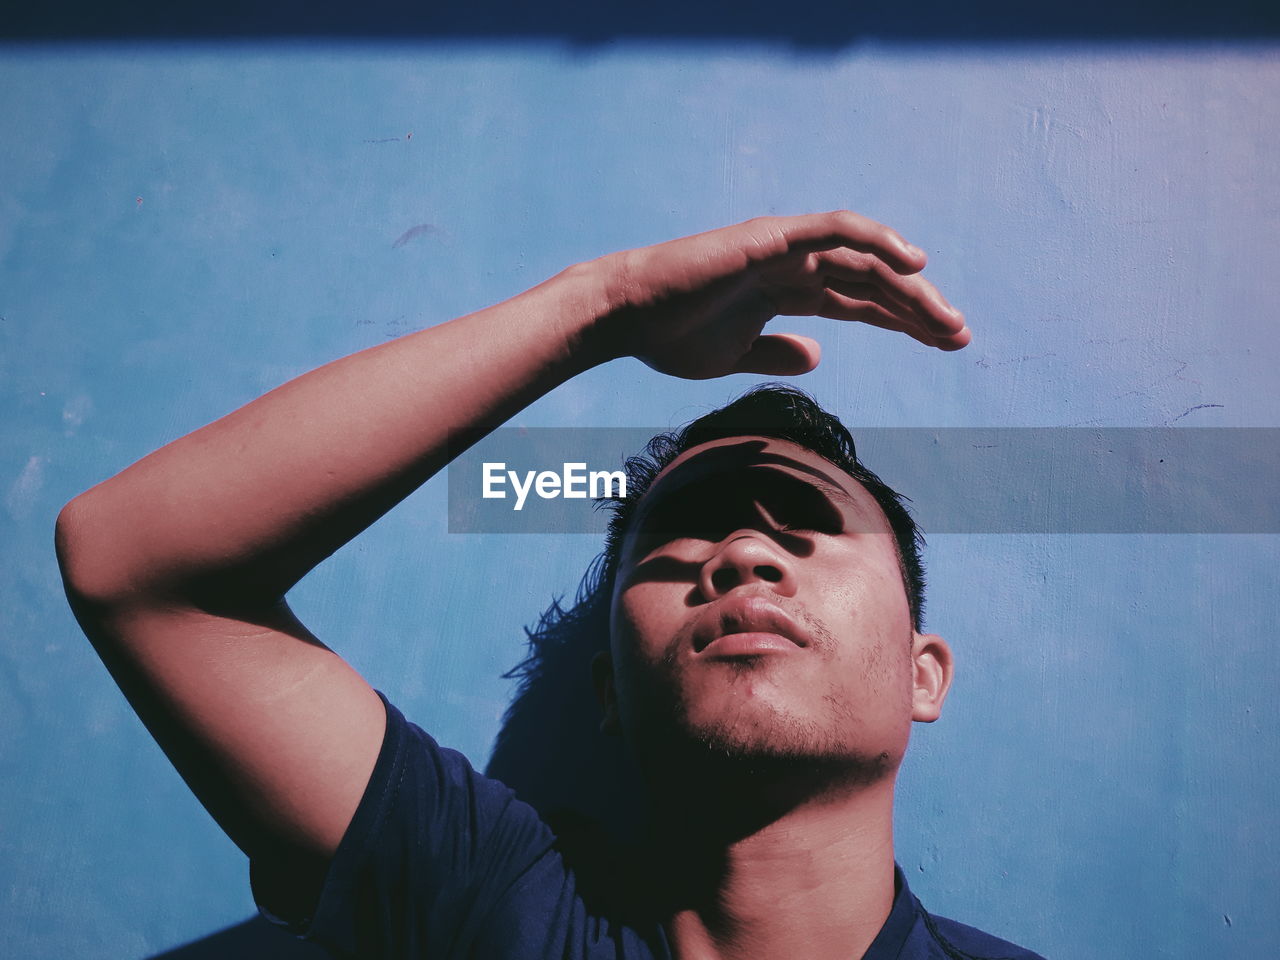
x,y
835,491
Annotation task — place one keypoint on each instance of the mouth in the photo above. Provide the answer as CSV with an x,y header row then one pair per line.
x,y
747,625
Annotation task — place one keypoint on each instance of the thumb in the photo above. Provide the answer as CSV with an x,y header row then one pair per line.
x,y
780,354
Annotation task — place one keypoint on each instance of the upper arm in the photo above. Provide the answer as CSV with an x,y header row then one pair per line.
x,y
275,733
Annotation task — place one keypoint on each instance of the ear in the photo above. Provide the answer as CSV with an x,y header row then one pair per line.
x,y
931,657
606,694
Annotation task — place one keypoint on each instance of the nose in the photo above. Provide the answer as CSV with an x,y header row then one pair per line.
x,y
746,557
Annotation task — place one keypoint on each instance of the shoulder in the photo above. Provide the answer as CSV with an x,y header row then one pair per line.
x,y
432,851
959,941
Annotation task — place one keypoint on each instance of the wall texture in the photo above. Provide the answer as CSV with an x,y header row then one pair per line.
x,y
184,225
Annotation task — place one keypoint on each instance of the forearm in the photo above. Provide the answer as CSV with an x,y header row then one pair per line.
x,y
238,511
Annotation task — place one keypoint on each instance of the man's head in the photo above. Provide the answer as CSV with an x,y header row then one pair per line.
x,y
757,520
765,595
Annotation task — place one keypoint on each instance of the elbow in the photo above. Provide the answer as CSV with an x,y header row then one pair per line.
x,y
68,547
90,574
112,558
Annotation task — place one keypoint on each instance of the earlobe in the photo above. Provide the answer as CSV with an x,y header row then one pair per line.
x,y
602,681
933,668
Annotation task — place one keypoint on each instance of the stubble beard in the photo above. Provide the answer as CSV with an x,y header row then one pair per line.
x,y
764,743
757,761
723,780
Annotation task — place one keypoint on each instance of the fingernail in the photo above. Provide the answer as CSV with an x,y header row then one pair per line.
x,y
914,250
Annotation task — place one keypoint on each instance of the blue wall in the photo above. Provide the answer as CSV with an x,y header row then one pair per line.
x,y
184,225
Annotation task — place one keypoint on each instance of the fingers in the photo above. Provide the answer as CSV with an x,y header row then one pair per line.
x,y
842,308
781,355
839,229
861,276
912,292
837,306
923,306
958,341
913,306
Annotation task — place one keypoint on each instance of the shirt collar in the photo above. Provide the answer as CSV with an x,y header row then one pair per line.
x,y
892,937
888,943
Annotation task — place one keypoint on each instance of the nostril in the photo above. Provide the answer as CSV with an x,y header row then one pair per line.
x,y
769,573
724,579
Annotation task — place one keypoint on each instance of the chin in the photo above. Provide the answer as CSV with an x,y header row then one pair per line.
x,y
768,735
771,738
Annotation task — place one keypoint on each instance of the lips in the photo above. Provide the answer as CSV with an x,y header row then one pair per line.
x,y
747,614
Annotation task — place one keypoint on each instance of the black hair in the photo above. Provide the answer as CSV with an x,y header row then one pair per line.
x,y
567,637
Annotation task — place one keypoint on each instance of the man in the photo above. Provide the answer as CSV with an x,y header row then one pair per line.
x,y
765,666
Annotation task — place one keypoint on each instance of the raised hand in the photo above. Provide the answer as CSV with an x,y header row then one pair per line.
x,y
697,307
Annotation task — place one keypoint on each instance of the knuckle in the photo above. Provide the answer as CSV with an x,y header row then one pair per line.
x,y
865,229
865,264
850,221
844,221
887,236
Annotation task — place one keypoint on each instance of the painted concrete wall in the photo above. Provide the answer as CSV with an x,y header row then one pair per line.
x,y
185,225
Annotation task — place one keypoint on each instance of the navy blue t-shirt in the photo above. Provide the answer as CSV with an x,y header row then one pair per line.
x,y
440,861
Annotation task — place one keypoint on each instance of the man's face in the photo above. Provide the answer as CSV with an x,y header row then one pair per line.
x,y
759,611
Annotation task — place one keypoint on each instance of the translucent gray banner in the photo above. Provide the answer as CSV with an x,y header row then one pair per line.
x,y
959,480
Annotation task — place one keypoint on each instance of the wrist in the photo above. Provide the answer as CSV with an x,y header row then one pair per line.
x,y
591,295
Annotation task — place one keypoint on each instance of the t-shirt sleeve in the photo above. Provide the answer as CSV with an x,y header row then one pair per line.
x,y
432,848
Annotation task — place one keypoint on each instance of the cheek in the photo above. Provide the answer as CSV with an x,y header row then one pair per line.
x,y
868,611
640,626
876,599
632,634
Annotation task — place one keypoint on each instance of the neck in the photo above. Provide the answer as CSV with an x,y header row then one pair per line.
x,y
815,880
